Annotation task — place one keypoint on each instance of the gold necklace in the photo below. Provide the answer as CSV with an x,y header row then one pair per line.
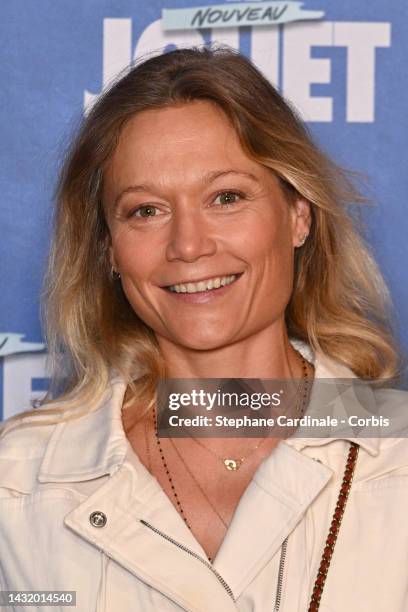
x,y
230,464
233,464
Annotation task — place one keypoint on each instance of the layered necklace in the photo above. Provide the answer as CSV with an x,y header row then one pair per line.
x,y
234,463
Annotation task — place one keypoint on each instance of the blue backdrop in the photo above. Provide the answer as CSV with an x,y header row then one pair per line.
x,y
345,72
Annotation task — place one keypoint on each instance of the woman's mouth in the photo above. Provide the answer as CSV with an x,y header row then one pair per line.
x,y
203,290
208,284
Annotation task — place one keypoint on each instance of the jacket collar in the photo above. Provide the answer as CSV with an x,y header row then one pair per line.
x,y
326,368
95,445
88,447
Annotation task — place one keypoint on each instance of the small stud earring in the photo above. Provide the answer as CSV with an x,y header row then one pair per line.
x,y
115,275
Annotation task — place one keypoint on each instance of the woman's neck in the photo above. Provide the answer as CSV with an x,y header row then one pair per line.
x,y
267,354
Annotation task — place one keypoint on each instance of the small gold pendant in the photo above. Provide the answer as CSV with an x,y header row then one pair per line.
x,y
233,464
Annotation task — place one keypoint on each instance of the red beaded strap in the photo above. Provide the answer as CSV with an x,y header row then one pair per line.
x,y
334,528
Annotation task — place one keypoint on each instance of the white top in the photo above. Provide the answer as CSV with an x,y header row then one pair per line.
x,y
53,477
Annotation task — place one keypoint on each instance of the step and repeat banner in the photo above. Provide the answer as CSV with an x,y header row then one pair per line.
x,y
342,64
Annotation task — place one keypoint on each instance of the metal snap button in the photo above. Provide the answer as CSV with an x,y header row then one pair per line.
x,y
98,519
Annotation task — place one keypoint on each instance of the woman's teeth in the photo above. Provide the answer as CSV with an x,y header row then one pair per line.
x,y
205,285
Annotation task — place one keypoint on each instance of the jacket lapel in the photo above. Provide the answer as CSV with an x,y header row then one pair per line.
x,y
146,536
280,493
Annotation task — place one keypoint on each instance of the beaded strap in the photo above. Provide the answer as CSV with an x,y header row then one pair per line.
x,y
334,528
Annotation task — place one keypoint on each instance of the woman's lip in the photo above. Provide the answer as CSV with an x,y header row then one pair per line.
x,y
202,297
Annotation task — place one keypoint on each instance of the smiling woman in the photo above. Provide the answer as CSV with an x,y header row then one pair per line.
x,y
182,212
200,233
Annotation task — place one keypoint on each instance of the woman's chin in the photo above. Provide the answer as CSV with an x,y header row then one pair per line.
x,y
202,341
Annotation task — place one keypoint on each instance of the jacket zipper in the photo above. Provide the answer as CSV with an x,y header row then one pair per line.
x,y
193,554
280,576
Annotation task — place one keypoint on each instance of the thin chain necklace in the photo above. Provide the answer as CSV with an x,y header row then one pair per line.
x,y
233,464
173,489
166,469
203,493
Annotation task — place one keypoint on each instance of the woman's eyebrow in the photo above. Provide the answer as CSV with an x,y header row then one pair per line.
x,y
211,176
207,178
130,189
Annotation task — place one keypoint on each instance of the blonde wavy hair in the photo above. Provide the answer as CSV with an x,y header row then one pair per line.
x,y
339,305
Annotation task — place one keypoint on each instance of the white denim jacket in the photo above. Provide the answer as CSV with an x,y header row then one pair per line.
x,y
52,478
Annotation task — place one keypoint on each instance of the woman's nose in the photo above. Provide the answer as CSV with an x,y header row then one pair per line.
x,y
190,237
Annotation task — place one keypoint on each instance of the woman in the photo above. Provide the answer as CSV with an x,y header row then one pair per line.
x,y
200,233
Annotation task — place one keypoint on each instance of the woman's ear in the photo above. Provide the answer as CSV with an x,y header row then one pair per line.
x,y
301,221
112,259
109,252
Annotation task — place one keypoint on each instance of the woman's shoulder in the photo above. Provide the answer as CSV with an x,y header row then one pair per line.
x,y
391,410
386,463
66,446
22,450
23,437
26,435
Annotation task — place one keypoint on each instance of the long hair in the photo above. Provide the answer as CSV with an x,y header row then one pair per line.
x,y
339,304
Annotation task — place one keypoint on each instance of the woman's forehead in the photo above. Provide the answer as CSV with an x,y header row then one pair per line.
x,y
182,125
192,141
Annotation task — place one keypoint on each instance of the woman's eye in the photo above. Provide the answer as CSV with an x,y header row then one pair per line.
x,y
145,211
226,198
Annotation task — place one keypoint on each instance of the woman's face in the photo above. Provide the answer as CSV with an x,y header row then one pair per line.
x,y
188,210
